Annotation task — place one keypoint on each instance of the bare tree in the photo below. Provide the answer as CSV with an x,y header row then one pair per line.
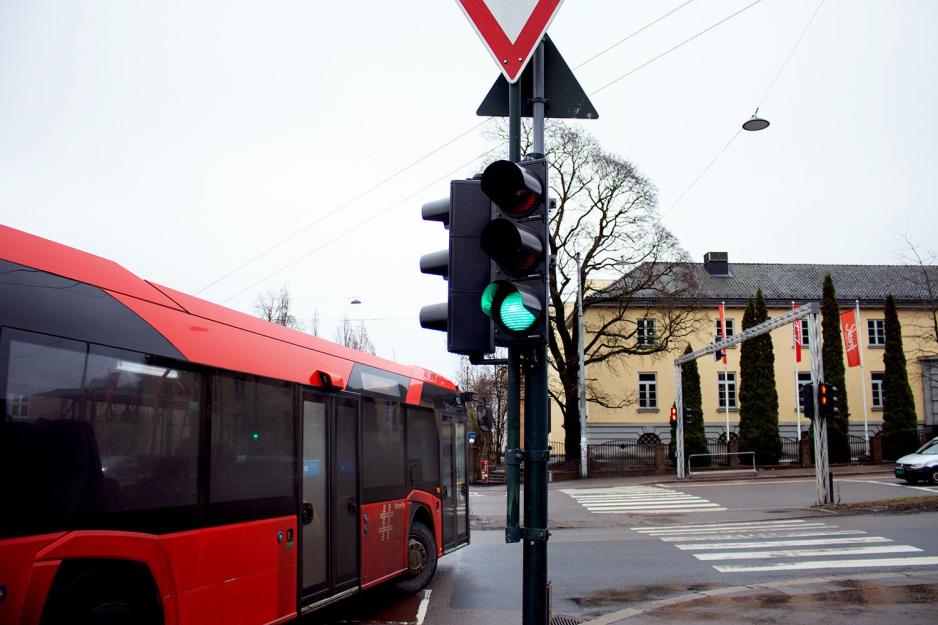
x,y
314,323
490,386
354,336
606,224
274,306
925,334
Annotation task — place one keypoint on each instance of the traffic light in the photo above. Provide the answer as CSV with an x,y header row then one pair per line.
x,y
807,400
465,266
720,354
828,405
673,419
516,240
688,416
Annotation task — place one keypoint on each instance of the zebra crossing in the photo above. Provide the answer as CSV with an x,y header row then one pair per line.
x,y
786,545
639,500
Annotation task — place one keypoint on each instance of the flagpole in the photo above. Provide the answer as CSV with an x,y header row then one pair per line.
x,y
726,380
866,424
794,336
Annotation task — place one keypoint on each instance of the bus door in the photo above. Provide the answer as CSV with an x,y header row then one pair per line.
x,y
329,497
453,479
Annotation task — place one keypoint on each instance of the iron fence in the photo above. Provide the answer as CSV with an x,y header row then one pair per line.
x,y
620,455
557,455
791,453
858,449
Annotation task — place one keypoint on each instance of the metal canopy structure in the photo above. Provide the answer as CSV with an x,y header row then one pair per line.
x,y
811,311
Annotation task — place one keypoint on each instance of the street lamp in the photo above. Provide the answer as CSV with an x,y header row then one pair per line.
x,y
755,122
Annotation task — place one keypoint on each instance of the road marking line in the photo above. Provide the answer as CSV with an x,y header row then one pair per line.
x,y
658,510
720,525
424,604
800,553
784,543
750,535
713,530
830,564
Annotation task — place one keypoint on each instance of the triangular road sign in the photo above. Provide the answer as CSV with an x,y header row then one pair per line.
x,y
565,97
510,29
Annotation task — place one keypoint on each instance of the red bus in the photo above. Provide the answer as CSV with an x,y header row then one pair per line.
x,y
166,460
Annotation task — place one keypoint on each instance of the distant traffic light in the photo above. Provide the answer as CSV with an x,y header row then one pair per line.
x,y
516,240
720,354
688,416
465,266
828,404
673,419
807,400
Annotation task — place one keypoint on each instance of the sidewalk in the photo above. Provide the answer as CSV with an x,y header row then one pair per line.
x,y
864,599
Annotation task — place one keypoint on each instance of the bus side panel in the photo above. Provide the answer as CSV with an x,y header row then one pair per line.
x,y
16,559
208,342
241,574
100,544
433,504
383,541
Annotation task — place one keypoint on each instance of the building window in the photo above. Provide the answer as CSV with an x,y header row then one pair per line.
x,y
717,334
645,331
647,390
877,331
876,382
726,389
804,378
19,405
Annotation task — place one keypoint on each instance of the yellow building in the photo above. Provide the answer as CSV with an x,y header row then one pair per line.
x,y
646,383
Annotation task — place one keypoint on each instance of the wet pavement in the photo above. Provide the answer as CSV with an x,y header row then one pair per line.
x,y
872,599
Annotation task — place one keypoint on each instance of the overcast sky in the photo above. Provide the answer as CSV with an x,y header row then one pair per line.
x,y
183,139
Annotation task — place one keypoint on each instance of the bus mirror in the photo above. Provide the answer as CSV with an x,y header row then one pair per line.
x,y
326,380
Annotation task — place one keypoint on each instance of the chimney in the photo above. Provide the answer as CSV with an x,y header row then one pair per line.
x,y
717,263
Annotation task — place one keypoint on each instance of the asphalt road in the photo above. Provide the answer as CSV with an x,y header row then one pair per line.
x,y
617,544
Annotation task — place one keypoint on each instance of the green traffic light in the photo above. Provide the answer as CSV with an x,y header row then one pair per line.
x,y
514,314
488,296
255,436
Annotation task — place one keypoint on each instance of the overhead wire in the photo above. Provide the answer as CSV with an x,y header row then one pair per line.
x,y
761,102
444,176
412,164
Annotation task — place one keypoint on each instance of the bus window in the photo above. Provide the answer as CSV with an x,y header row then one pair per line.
x,y
93,430
423,444
252,439
382,450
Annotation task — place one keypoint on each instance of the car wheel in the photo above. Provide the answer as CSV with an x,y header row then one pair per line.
x,y
421,559
933,476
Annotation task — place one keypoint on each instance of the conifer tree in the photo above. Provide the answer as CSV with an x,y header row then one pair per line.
x,y
758,396
900,425
695,437
838,443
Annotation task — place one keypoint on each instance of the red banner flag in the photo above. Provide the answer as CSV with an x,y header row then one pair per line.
x,y
848,324
798,340
723,329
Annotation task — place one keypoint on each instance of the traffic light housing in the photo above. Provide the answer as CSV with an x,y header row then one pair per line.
x,y
807,400
465,266
720,354
688,416
828,404
516,240
673,419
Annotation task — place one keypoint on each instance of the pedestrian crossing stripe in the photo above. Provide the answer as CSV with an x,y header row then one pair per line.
x,y
808,544
638,500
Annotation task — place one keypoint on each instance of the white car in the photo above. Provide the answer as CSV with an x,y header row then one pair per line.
x,y
922,465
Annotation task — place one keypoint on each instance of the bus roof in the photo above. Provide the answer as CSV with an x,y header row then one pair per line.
x,y
202,331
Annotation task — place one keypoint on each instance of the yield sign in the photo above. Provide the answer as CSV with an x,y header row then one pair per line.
x,y
510,29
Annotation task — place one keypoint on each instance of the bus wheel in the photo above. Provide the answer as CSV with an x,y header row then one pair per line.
x,y
421,559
